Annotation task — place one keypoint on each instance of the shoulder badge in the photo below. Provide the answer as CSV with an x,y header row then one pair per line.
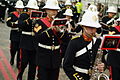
x,y
112,32
37,27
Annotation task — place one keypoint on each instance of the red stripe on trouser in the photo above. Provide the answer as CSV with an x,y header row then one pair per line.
x,y
8,65
110,68
2,69
20,54
20,60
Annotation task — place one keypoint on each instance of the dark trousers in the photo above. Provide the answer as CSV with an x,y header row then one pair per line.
x,y
2,16
27,57
47,73
114,63
14,48
115,73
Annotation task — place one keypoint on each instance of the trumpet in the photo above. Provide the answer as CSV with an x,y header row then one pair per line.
x,y
95,73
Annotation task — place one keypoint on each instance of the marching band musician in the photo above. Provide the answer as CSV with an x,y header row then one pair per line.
x,y
70,26
48,38
27,44
68,5
3,7
81,50
70,23
108,20
112,55
12,21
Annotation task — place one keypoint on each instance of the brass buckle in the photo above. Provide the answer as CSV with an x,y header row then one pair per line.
x,y
52,47
32,33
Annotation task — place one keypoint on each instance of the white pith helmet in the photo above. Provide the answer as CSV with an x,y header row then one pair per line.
x,y
68,2
32,4
19,4
92,8
68,12
39,0
112,9
90,19
51,4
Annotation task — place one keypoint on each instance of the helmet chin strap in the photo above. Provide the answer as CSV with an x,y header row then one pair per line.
x,y
87,34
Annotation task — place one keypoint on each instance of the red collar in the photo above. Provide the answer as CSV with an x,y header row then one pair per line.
x,y
86,38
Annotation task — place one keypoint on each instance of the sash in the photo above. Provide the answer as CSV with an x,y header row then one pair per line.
x,y
111,20
48,24
16,14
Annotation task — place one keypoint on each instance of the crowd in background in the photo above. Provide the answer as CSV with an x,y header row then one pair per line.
x,y
76,6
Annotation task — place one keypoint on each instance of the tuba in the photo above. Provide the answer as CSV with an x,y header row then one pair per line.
x,y
95,74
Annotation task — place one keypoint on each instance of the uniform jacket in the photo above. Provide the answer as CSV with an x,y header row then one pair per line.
x,y
14,34
45,57
79,54
106,29
25,24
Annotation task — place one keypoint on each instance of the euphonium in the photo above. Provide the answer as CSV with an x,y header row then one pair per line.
x,y
95,74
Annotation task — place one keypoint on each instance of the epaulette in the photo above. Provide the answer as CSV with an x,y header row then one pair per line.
x,y
74,37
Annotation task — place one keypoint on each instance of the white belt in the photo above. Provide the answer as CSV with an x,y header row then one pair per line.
x,y
14,28
117,49
49,47
28,33
81,70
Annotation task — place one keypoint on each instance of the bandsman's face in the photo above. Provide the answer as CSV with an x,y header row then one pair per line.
x,y
68,17
51,12
111,15
29,10
89,31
